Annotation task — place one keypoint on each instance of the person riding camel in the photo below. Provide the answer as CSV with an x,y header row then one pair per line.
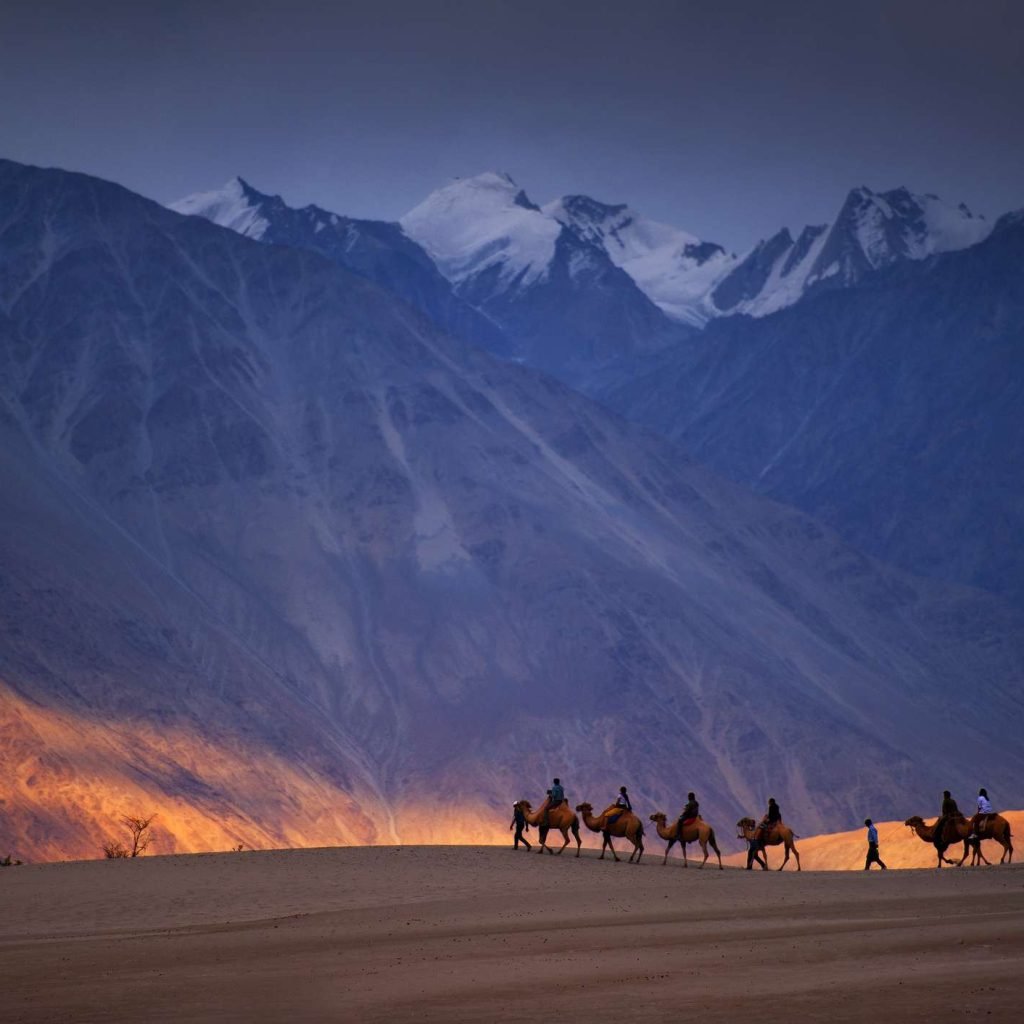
x,y
556,796
985,811
689,813
771,818
621,805
950,812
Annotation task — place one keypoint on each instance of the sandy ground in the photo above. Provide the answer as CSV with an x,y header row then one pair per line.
x,y
485,934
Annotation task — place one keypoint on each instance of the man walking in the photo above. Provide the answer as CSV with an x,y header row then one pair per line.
x,y
520,825
872,857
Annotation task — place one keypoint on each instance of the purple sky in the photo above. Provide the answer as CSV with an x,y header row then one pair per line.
x,y
729,119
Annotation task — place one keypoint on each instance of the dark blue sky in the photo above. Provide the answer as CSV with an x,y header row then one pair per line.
x,y
729,119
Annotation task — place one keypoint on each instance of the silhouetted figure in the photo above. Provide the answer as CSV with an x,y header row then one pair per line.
x,y
872,857
950,812
689,813
772,816
520,824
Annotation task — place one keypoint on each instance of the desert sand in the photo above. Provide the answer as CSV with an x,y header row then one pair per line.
x,y
487,934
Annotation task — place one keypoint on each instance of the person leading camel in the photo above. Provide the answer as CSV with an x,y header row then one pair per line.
x,y
689,814
985,811
520,824
950,812
872,857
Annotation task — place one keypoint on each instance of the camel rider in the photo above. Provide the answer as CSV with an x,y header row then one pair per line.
x,y
985,811
556,796
557,793
689,813
772,817
950,812
621,805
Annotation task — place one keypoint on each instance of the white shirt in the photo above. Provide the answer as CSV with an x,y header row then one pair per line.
x,y
984,807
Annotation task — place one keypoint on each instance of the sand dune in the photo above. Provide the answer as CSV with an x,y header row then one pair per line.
x,y
485,934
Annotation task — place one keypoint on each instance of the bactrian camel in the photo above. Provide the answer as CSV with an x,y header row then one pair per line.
x,y
957,830
625,824
773,836
559,817
698,831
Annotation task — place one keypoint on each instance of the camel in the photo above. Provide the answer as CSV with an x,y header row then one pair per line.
x,y
780,833
698,831
560,818
626,824
996,827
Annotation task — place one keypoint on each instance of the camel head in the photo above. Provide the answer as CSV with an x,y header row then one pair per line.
x,y
914,822
745,825
524,805
659,818
583,808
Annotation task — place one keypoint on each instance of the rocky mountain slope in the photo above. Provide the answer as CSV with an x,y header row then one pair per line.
x,y
377,250
287,564
892,411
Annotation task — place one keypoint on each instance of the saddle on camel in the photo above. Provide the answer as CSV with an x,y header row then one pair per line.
x,y
768,832
551,815
618,822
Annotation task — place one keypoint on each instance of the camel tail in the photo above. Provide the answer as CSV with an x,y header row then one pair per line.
x,y
712,843
575,826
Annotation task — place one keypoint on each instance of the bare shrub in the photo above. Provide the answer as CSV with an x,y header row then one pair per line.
x,y
140,830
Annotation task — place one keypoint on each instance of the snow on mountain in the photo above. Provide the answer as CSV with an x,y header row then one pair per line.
x,y
873,230
483,223
559,297
234,206
675,269
694,281
377,250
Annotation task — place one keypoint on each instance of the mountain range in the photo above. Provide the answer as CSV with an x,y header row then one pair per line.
x,y
891,410
290,561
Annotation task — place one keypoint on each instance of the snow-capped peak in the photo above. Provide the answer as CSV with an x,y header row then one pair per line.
x,y
674,268
484,222
888,226
235,205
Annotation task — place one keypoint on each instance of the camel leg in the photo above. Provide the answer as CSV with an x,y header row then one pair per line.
x,y
785,860
686,863
704,850
608,840
668,848
565,839
796,853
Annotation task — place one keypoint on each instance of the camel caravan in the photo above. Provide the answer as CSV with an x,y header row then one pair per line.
x,y
951,827
620,821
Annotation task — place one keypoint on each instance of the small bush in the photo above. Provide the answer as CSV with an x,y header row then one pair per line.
x,y
141,832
